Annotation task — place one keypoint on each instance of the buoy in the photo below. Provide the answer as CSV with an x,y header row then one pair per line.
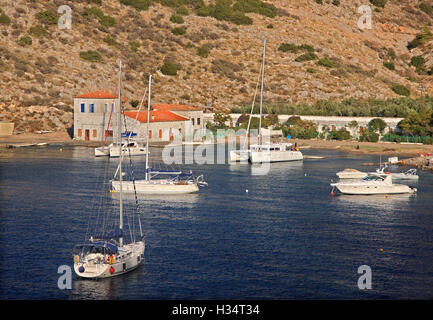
x,y
332,193
111,191
111,270
386,196
61,149
246,190
381,250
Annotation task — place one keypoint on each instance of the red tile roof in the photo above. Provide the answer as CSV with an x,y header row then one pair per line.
x,y
155,116
97,95
175,107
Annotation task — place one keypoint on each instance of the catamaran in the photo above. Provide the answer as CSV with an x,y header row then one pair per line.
x,y
177,182
106,254
264,152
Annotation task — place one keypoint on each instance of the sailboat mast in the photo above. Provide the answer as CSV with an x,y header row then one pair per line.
x,y
147,135
120,153
261,93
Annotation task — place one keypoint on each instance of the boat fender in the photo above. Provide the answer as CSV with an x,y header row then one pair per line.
x,y
81,269
111,270
77,259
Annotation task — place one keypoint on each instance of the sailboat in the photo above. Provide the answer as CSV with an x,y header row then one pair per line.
x,y
106,254
265,152
177,182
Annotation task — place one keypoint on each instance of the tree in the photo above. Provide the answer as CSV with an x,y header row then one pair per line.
x,y
377,125
220,118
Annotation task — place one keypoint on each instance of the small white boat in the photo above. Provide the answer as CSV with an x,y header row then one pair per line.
x,y
128,148
372,185
103,151
410,174
351,174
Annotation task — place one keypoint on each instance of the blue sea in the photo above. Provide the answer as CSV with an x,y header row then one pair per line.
x,y
245,236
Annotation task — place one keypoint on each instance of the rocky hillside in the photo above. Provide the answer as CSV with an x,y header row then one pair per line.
x,y
209,52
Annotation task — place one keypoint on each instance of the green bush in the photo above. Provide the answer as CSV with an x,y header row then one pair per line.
x,y
169,68
390,65
137,4
306,57
48,17
203,51
319,1
107,21
90,55
401,90
336,2
284,47
4,19
417,61
178,31
377,125
110,41
38,31
177,19
326,62
369,137
420,38
379,3
134,45
182,10
93,11
25,41
428,140
255,6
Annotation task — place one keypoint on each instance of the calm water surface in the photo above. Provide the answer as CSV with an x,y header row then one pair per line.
x,y
286,238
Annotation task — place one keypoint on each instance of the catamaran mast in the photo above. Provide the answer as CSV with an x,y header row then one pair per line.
x,y
261,93
147,135
120,153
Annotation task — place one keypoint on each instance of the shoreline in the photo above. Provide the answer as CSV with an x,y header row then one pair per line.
x,y
382,148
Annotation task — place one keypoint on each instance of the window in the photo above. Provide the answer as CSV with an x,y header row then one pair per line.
x,y
198,121
83,107
108,133
112,107
160,133
106,107
95,133
91,107
192,120
79,133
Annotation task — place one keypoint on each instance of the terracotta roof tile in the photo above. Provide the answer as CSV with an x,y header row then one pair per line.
x,y
97,95
155,116
175,107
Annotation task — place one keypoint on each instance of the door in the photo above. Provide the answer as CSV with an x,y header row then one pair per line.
x,y
86,134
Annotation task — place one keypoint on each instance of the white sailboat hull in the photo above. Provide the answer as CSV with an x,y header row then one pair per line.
x,y
136,151
102,151
129,257
261,156
157,186
239,155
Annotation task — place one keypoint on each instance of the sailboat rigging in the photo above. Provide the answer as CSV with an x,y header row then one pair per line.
x,y
106,254
264,152
178,182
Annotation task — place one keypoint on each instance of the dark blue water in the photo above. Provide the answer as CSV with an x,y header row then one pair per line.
x,y
286,238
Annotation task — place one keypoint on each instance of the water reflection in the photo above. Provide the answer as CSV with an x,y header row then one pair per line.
x,y
383,202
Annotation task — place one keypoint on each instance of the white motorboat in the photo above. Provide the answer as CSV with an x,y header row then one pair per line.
x,y
372,185
103,151
105,254
410,174
351,174
264,152
178,182
130,147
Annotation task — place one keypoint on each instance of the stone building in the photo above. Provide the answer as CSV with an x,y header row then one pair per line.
x,y
95,119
